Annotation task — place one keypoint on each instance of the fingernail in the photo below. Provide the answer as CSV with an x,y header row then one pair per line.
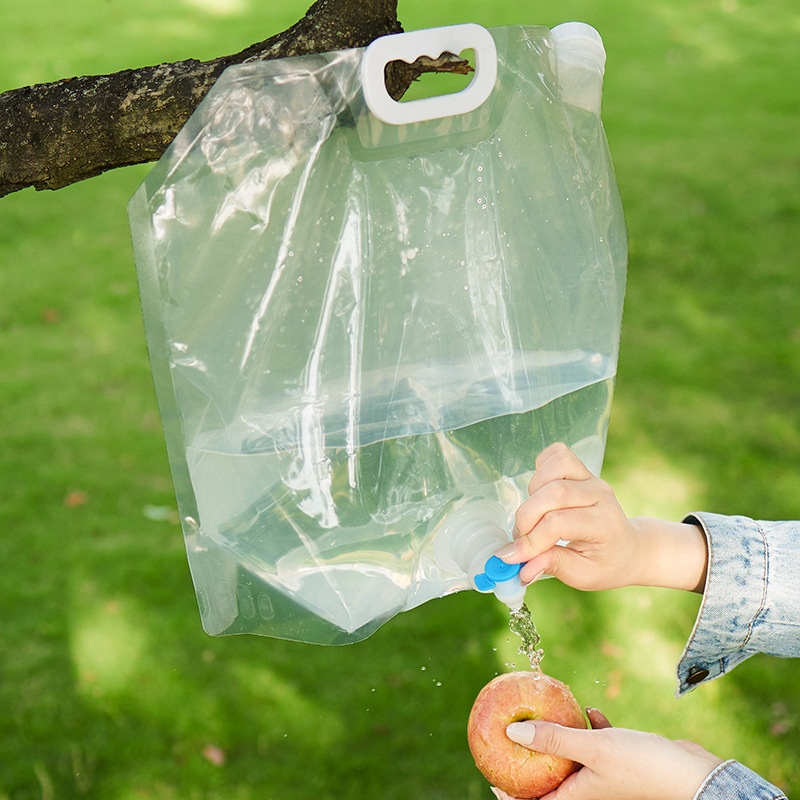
x,y
521,732
506,551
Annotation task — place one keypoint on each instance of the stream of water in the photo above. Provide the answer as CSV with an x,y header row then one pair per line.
x,y
522,624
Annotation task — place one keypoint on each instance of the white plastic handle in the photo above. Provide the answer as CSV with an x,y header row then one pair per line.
x,y
431,42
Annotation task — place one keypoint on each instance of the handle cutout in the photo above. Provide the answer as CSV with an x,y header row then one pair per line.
x,y
439,84
431,42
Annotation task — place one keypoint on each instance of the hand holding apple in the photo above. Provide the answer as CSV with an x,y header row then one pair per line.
x,y
522,731
619,764
517,697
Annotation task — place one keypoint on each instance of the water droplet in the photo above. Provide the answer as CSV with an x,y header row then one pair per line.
x,y
423,668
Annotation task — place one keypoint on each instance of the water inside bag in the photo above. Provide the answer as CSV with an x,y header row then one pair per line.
x,y
348,531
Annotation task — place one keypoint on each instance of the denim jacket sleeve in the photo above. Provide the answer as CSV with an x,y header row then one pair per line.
x,y
733,781
751,602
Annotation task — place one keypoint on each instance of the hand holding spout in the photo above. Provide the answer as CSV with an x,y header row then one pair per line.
x,y
573,528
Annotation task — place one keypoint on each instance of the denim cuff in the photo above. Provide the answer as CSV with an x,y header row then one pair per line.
x,y
750,603
733,596
733,781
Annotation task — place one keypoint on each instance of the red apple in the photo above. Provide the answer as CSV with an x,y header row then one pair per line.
x,y
516,697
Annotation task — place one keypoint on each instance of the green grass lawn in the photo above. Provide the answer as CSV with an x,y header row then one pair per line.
x,y
109,689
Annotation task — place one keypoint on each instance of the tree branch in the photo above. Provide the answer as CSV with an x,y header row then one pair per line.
x,y
55,134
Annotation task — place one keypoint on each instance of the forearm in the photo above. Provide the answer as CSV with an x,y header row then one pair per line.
x,y
673,555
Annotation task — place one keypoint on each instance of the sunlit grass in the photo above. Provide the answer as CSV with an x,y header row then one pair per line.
x,y
107,640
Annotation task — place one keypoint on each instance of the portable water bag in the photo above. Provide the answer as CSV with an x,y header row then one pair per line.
x,y
366,318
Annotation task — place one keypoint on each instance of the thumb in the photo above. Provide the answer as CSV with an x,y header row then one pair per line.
x,y
556,740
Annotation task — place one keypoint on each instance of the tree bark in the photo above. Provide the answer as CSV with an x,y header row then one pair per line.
x,y
55,134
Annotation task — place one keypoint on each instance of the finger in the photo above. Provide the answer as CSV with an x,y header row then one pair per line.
x,y
548,737
598,719
574,524
555,496
557,561
536,568
571,566
525,548
557,462
554,449
562,562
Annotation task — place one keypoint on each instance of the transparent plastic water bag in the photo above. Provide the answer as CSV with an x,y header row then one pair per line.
x,y
365,318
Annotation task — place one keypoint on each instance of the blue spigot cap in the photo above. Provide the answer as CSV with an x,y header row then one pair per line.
x,y
495,571
503,580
